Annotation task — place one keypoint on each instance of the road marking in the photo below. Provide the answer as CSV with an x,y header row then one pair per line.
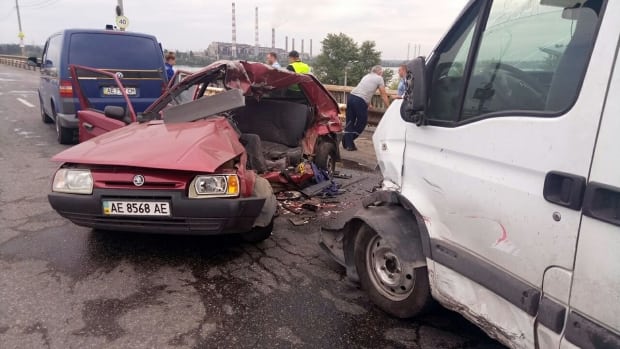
x,y
25,102
19,92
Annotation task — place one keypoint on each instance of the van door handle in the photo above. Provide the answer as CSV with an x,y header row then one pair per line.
x,y
88,126
564,189
602,201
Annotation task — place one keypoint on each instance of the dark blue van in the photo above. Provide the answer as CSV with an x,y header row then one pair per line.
x,y
137,59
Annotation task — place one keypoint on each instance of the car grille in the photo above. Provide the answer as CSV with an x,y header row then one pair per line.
x,y
148,224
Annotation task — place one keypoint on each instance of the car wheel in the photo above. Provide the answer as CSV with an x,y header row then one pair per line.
x,y
64,135
325,157
392,284
258,234
44,117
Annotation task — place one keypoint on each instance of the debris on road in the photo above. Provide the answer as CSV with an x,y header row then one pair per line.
x,y
297,221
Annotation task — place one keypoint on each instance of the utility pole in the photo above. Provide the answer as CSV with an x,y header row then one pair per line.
x,y
21,33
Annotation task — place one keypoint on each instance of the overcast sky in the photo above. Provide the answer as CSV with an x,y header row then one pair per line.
x,y
193,24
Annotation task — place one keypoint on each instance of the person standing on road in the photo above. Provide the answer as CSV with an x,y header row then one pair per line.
x,y
272,60
296,65
170,61
357,105
402,82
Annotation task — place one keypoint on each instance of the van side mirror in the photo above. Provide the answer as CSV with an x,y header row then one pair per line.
x,y
115,112
414,104
33,62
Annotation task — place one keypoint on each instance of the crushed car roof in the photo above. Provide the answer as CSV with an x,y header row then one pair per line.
x,y
254,78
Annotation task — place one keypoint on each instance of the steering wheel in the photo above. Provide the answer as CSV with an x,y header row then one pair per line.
x,y
509,88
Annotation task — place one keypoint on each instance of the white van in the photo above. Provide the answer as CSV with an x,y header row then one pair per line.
x,y
501,192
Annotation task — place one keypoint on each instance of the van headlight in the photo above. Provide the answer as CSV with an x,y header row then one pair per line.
x,y
73,181
206,186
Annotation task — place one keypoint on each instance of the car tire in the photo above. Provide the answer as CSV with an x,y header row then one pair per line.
x,y
325,158
44,117
396,287
64,135
258,234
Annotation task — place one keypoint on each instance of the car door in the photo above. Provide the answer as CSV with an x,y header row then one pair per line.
x,y
594,320
93,122
502,117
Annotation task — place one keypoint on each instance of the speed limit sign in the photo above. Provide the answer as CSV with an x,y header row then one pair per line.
x,y
122,22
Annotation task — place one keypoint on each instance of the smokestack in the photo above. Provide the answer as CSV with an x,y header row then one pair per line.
x,y
310,48
286,43
273,37
256,32
293,44
233,52
302,46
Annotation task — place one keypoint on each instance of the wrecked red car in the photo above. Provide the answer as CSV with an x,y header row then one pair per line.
x,y
201,158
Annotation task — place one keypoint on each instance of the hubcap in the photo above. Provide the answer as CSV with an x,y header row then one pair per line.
x,y
391,276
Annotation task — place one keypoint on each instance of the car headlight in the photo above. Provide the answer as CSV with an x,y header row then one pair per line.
x,y
214,186
74,181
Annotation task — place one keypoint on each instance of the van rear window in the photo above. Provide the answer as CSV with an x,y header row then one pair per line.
x,y
118,51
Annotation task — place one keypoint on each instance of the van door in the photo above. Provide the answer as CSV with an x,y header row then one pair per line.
x,y
498,169
594,316
50,63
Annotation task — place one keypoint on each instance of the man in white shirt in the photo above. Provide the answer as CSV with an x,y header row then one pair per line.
x,y
357,105
272,60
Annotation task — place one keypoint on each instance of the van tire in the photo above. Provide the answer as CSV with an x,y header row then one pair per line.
x,y
325,158
64,135
258,234
409,294
44,117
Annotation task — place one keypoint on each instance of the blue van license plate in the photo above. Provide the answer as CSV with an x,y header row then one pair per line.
x,y
115,91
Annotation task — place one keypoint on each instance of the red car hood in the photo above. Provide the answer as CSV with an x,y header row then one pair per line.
x,y
200,146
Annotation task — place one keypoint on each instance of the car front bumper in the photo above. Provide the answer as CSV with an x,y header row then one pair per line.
x,y
188,216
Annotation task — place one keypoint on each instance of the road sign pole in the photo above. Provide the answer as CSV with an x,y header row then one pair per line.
x,y
121,10
21,33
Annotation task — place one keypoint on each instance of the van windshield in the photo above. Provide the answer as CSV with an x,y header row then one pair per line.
x,y
118,51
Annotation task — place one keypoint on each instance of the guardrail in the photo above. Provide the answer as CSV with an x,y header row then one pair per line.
x,y
376,110
17,61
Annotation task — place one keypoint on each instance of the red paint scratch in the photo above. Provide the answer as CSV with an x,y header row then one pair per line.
x,y
426,219
503,237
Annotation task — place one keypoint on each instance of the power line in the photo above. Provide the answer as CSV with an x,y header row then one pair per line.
x,y
41,4
11,11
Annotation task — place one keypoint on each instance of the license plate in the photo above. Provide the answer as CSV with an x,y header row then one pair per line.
x,y
136,208
115,91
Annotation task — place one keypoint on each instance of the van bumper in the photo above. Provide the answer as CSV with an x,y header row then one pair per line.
x,y
67,120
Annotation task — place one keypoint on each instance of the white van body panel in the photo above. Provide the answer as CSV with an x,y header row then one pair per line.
x,y
479,186
389,141
477,304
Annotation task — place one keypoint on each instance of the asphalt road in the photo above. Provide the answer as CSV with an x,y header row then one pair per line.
x,y
63,286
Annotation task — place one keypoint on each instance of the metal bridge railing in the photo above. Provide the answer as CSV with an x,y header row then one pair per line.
x,y
16,61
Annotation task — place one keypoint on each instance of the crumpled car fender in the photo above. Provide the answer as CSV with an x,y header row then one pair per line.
x,y
393,222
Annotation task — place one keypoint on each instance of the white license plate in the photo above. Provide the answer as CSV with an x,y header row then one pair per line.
x,y
115,91
136,208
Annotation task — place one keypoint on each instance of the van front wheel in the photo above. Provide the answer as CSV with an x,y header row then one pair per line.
x,y
392,284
